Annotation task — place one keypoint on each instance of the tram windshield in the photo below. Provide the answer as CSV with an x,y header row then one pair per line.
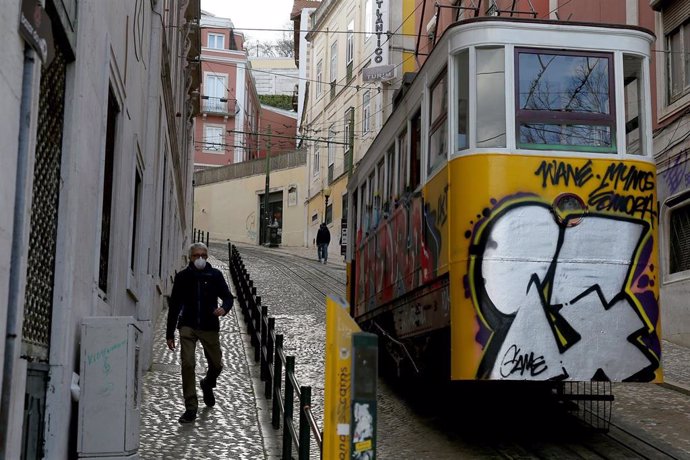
x,y
565,101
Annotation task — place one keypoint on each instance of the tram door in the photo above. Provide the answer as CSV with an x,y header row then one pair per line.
x,y
271,228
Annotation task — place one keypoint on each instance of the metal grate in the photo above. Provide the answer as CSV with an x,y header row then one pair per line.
x,y
44,211
590,402
680,239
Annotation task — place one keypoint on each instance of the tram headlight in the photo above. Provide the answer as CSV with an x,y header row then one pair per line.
x,y
569,209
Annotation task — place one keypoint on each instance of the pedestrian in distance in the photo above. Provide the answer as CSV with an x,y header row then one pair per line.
x,y
193,309
323,239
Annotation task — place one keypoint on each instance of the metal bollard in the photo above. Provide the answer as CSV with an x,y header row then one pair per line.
x,y
270,357
304,405
264,338
277,380
289,403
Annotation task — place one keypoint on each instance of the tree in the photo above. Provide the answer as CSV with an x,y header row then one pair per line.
x,y
283,47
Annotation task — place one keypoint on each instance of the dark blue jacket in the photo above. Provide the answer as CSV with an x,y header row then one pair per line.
x,y
194,297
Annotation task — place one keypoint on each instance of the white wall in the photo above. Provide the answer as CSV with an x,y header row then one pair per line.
x,y
230,209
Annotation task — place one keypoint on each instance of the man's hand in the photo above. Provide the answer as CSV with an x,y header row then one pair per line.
x,y
171,344
219,311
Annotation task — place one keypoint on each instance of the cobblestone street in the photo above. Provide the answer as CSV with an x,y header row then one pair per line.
x,y
238,427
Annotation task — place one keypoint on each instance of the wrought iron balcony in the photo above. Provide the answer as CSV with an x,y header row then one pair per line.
x,y
219,105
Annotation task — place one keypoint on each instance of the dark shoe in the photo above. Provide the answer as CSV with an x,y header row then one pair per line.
x,y
188,417
209,398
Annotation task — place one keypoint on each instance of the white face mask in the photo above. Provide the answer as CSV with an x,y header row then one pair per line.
x,y
200,263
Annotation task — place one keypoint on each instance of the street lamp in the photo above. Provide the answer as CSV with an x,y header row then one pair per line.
x,y
326,194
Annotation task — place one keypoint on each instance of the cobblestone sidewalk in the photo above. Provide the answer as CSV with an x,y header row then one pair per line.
x,y
229,430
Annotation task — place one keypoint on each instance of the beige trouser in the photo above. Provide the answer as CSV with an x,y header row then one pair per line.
x,y
211,342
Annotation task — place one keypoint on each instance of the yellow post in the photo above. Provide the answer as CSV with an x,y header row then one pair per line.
x,y
339,329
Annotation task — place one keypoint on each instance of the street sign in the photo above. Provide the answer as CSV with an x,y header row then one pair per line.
x,y
380,73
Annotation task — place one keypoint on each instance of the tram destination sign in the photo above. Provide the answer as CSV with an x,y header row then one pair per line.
x,y
380,73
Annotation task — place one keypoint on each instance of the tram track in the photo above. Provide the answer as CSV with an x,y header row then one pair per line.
x,y
318,280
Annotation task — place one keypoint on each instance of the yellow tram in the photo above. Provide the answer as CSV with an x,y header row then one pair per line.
x,y
504,221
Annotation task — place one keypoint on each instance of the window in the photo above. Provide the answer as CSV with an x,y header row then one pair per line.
x,y
438,122
634,105
331,152
678,61
135,219
319,76
333,76
491,108
317,162
329,213
416,150
371,188
350,49
214,93
462,136
679,227
213,139
380,180
390,174
348,137
109,160
368,19
565,101
216,41
366,111
402,162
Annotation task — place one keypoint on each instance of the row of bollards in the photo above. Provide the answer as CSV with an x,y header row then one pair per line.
x,y
268,350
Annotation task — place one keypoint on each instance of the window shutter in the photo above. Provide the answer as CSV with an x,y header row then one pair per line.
x,y
675,14
680,239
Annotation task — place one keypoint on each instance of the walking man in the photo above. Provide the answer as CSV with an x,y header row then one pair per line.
x,y
323,239
193,309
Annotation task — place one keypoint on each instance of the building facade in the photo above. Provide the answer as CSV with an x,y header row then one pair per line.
x,y
275,76
354,68
672,153
230,105
98,155
229,202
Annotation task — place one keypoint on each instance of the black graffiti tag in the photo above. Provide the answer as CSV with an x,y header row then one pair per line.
x,y
514,361
608,197
555,172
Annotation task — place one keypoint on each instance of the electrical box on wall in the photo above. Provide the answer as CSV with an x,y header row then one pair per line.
x,y
110,396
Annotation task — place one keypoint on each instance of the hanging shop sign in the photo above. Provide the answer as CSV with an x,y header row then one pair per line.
x,y
36,29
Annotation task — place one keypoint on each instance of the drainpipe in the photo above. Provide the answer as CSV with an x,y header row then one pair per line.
x,y
18,243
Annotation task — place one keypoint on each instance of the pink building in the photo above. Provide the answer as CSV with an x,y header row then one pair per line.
x,y
229,120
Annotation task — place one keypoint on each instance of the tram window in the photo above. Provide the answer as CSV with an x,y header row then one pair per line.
x,y
438,122
416,150
634,105
491,105
390,167
462,138
370,201
402,162
380,172
565,101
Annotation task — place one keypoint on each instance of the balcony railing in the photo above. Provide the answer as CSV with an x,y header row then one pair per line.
x,y
219,105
